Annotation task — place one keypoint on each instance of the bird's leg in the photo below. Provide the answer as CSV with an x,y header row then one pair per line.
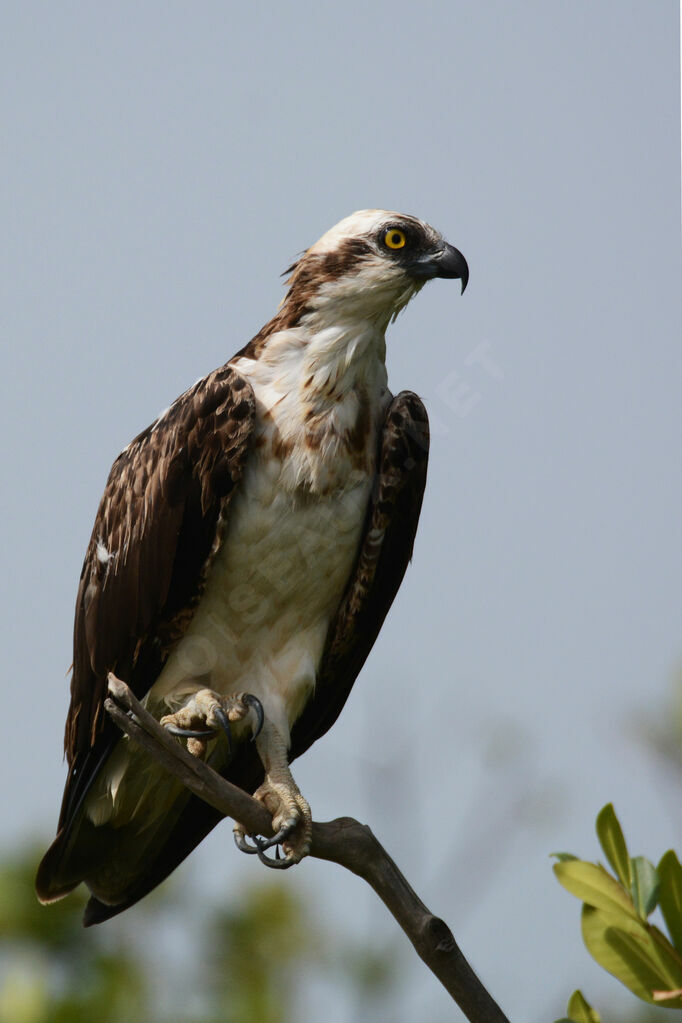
x,y
206,712
280,795
198,721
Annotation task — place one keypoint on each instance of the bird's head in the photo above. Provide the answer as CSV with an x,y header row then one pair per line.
x,y
369,266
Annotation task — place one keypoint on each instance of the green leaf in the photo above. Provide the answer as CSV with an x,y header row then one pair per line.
x,y
595,886
645,885
670,895
563,857
580,1011
612,841
633,952
668,957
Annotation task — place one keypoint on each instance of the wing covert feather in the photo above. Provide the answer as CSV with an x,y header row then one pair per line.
x,y
158,526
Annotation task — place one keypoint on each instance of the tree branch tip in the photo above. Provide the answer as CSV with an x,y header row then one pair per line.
x,y
118,689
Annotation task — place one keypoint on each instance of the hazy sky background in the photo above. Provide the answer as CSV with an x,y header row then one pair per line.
x,y
162,164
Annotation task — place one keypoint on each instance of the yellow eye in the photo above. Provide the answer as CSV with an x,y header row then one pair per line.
x,y
395,239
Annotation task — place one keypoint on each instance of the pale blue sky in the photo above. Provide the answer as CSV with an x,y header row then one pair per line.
x,y
162,164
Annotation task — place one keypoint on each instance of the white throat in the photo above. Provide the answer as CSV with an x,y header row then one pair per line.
x,y
321,392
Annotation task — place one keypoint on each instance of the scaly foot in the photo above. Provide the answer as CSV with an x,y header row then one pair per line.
x,y
291,817
206,712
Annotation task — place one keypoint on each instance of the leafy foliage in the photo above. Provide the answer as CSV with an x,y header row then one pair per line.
x,y
580,1011
615,918
50,970
238,964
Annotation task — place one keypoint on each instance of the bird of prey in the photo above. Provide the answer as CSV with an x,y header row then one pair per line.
x,y
246,550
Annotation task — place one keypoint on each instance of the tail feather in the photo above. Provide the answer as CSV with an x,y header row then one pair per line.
x,y
120,865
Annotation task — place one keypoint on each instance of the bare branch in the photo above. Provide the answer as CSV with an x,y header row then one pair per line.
x,y
344,841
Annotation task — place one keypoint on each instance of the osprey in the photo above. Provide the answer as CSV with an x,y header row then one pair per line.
x,y
245,553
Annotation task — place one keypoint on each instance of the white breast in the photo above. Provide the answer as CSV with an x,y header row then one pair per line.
x,y
292,540
273,590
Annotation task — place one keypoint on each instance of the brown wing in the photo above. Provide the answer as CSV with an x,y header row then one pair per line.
x,y
384,555
158,526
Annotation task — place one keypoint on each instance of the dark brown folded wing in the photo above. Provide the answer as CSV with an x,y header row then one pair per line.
x,y
158,527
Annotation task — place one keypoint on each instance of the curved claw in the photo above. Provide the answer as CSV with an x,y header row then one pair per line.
x,y
224,722
188,733
275,864
242,844
253,701
287,828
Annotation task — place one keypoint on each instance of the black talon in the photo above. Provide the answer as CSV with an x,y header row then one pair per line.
x,y
283,833
189,733
278,864
242,844
224,723
252,701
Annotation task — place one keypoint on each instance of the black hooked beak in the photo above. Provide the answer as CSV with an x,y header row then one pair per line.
x,y
446,262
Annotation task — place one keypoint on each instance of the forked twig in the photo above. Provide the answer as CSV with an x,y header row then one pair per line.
x,y
344,841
